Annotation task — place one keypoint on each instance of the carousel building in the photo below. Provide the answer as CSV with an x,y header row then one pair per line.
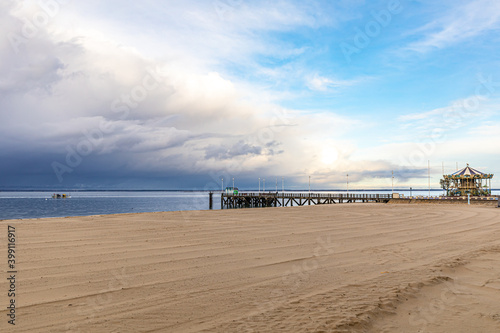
x,y
467,181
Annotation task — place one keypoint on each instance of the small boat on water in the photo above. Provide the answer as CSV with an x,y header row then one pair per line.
x,y
60,196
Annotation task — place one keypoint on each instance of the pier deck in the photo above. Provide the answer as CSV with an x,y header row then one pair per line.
x,y
273,199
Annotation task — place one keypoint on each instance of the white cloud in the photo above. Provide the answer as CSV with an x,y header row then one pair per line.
x,y
450,119
462,23
321,83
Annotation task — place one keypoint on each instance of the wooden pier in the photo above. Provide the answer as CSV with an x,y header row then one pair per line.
x,y
249,200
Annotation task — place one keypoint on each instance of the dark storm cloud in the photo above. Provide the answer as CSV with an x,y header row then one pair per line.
x,y
75,108
226,152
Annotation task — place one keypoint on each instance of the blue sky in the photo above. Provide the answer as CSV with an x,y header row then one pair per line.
x,y
179,94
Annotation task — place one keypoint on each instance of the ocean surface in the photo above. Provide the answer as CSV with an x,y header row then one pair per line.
x,y
27,205
24,205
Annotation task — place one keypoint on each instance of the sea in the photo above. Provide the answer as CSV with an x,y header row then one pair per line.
x,y
40,204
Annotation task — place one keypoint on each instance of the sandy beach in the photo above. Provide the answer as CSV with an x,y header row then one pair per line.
x,y
333,268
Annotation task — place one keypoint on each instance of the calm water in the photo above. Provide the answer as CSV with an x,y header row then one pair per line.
x,y
23,205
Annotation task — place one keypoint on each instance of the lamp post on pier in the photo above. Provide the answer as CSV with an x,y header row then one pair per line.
x,y
347,175
393,182
429,173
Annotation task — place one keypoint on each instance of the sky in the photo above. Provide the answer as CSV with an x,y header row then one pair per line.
x,y
182,94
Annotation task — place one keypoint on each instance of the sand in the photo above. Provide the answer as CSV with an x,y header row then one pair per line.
x,y
333,268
